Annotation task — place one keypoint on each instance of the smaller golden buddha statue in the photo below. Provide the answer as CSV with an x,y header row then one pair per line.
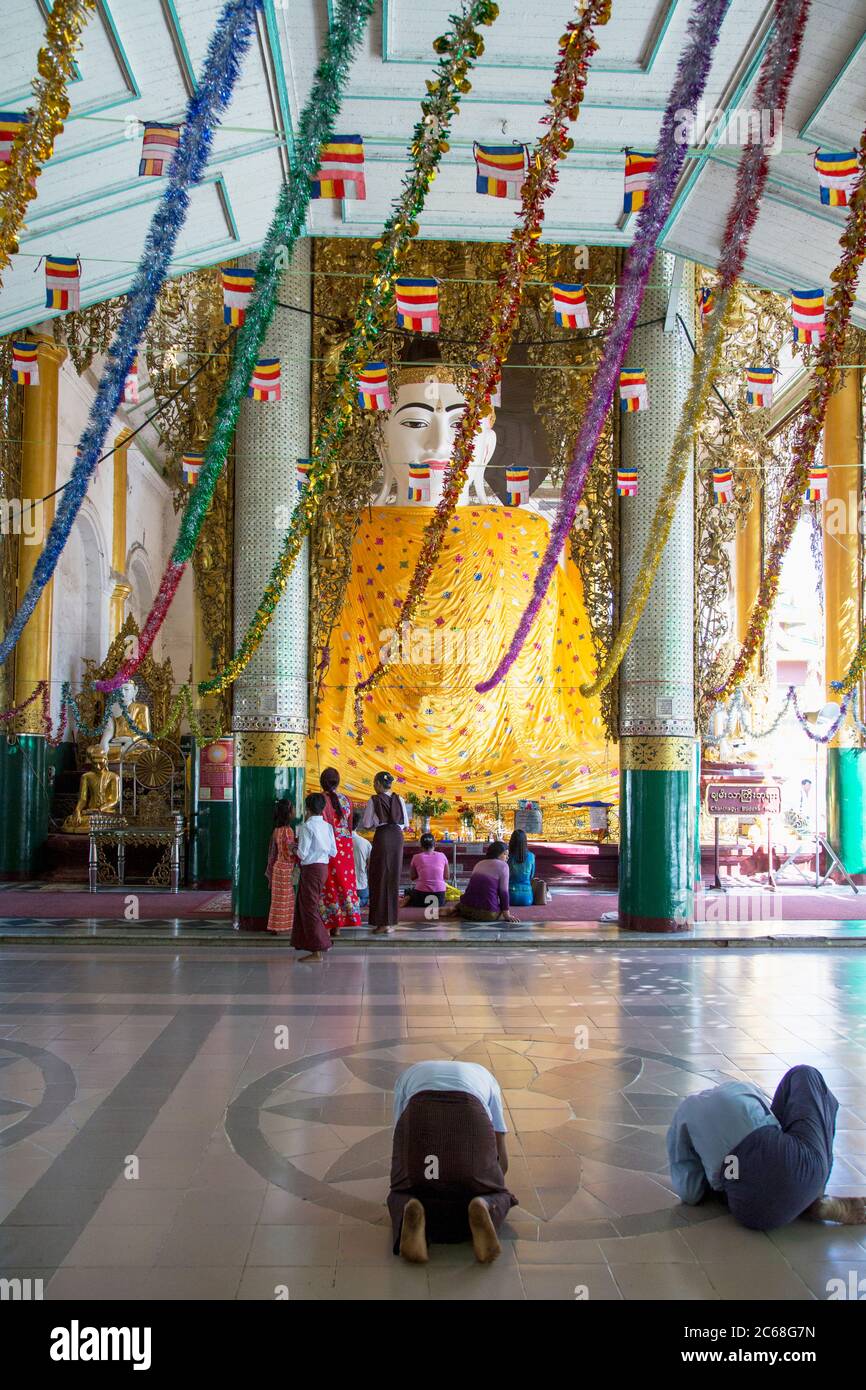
x,y
118,735
98,793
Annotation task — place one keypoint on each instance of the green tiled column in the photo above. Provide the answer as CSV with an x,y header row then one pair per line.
x,y
658,853
269,718
846,806
23,804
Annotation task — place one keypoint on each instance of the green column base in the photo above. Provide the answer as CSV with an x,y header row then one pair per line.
x,y
23,804
257,785
846,806
656,855
210,843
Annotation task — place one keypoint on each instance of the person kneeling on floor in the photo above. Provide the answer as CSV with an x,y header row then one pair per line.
x,y
449,1160
770,1159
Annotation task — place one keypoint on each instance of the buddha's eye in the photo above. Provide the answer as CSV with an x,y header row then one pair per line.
x,y
414,424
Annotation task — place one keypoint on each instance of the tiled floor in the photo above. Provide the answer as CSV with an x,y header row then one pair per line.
x,y
216,1124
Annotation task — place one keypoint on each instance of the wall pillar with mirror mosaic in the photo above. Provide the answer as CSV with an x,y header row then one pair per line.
x,y
269,720
658,749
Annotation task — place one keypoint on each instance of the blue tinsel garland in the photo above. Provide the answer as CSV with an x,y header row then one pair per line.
x,y
229,43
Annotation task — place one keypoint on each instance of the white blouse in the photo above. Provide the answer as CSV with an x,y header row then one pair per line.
x,y
370,821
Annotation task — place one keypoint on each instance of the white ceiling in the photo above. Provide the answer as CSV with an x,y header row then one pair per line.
x,y
139,59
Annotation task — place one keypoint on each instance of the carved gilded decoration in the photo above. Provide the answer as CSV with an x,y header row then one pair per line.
x,y
664,753
155,680
270,749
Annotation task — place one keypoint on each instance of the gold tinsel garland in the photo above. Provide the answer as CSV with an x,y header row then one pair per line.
x,y
34,143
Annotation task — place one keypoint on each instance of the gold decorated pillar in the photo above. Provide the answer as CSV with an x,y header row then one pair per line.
x,y
748,562
846,760
121,588
38,479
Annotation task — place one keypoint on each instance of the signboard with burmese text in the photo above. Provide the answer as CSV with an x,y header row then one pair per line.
x,y
743,799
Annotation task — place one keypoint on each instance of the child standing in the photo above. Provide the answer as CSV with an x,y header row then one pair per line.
x,y
316,846
281,864
361,851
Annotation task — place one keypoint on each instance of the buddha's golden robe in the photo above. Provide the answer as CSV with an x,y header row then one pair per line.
x,y
533,736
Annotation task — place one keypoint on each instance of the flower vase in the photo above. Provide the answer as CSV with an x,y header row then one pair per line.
x,y
425,825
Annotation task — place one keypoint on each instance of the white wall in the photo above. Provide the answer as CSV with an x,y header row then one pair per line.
x,y
83,581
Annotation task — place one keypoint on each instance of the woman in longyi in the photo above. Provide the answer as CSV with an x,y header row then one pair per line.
x,y
532,736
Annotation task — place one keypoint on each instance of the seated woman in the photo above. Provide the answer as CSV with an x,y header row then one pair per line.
x,y
427,871
486,895
771,1160
521,871
449,1160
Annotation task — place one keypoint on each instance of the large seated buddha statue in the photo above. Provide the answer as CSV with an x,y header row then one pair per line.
x,y
534,735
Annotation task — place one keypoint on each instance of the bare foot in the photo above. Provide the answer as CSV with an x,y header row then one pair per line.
x,y
485,1241
413,1238
312,957
847,1211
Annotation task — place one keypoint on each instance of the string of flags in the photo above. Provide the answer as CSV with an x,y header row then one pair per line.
x,y
708,302
500,170
25,364
373,393
302,473
237,292
759,387
569,305
837,172
191,465
633,392
130,384
807,315
639,168
62,282
626,482
419,483
341,169
516,487
816,487
265,381
11,122
417,304
158,147
723,485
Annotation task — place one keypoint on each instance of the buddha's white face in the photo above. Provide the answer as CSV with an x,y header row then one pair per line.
x,y
418,439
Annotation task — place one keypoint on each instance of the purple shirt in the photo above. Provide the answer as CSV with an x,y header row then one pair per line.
x,y
428,869
487,889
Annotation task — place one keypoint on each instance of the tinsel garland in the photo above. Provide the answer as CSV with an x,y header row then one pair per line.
x,y
828,356
34,143
229,42
690,81
577,46
735,715
771,94
459,49
181,707
315,128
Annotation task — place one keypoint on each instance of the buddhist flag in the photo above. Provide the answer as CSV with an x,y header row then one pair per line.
x,y
569,306
723,484
62,282
417,305
516,486
341,169
237,291
373,393
626,482
10,124
807,313
759,386
130,384
25,364
633,392
265,381
837,173
500,170
302,473
816,488
419,483
158,149
708,303
191,465
639,166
